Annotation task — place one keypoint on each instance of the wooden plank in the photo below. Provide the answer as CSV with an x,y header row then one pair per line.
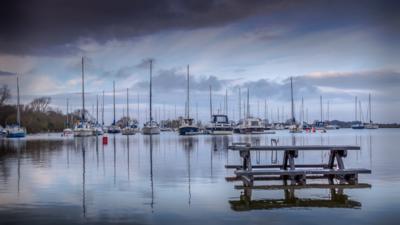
x,y
305,186
275,178
302,172
297,148
323,165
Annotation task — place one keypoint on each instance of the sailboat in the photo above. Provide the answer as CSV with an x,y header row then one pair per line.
x,y
16,131
370,125
151,126
129,129
67,131
358,124
219,124
98,129
114,128
83,128
294,127
250,125
188,127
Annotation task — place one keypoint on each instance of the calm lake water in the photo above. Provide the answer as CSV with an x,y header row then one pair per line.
x,y
168,179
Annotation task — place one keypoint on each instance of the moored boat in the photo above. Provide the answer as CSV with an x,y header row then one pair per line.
x,y
188,125
16,131
151,127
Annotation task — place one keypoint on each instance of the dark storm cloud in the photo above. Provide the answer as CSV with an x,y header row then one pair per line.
x,y
55,27
6,73
172,80
384,83
42,27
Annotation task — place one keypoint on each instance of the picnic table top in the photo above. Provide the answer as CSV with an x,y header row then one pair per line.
x,y
242,147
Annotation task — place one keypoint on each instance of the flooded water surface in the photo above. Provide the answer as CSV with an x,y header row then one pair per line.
x,y
170,179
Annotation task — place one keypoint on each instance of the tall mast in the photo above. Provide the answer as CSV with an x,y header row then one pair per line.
x,y
138,108
240,104
187,97
114,101
151,68
291,94
355,108
211,109
83,89
369,106
102,111
127,107
320,105
67,115
97,109
265,109
327,113
302,109
248,103
226,102
18,112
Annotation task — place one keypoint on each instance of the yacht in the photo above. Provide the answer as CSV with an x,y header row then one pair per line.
x,y
370,125
188,125
151,127
114,128
219,124
83,128
128,129
294,127
16,131
250,125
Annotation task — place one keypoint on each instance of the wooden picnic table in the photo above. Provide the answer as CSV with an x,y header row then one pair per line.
x,y
288,168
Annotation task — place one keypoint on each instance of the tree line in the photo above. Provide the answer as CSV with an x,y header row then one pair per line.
x,y
36,116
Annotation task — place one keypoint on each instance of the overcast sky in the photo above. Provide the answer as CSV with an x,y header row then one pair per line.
x,y
337,49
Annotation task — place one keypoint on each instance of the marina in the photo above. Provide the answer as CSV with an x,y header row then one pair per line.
x,y
147,178
212,112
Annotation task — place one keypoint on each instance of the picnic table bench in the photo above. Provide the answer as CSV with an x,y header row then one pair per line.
x,y
296,172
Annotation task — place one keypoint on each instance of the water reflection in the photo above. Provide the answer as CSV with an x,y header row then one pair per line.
x,y
173,179
336,199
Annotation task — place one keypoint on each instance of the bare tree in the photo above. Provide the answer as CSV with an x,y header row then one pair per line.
x,y
5,94
40,104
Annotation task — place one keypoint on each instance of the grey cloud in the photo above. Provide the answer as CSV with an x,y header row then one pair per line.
x,y
172,80
6,73
375,80
384,83
48,27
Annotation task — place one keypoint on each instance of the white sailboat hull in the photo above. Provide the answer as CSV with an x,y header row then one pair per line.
x,y
83,132
150,130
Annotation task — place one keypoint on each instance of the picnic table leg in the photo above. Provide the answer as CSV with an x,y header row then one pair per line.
x,y
247,166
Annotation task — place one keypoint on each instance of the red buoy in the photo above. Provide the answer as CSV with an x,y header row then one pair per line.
x,y
105,140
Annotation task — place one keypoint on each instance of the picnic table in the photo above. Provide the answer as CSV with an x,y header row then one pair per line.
x,y
298,173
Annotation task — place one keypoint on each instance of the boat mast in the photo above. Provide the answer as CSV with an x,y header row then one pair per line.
x,y
240,105
102,111
355,107
369,106
211,109
187,97
83,89
114,101
327,113
291,94
320,105
226,102
67,115
97,109
18,112
151,68
127,107
248,103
